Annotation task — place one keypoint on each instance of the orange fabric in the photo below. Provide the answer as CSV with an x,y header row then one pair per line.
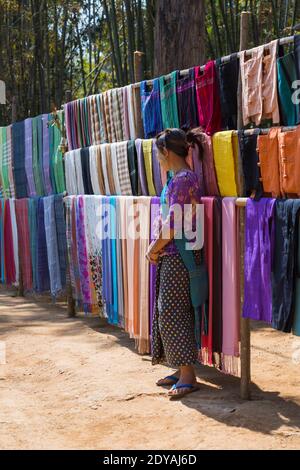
x,y
268,151
259,84
289,157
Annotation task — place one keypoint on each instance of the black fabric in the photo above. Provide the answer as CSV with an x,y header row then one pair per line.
x,y
186,101
228,76
133,166
284,263
250,160
86,175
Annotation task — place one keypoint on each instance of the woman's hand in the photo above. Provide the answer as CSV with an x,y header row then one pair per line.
x,y
152,257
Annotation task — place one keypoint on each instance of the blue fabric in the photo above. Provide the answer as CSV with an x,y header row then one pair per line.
x,y
32,211
61,237
42,270
151,109
18,145
115,319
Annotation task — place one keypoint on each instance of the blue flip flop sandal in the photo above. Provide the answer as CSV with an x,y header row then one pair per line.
x,y
189,389
169,377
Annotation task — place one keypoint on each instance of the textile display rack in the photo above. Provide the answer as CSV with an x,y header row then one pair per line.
x,y
82,116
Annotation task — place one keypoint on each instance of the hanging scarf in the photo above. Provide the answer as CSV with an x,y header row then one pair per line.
x,y
147,151
155,211
141,167
22,215
70,206
18,140
259,240
93,244
28,158
42,271
93,164
12,191
168,100
32,212
52,246
156,171
121,312
231,285
86,174
82,255
133,166
114,161
36,152
46,155
123,170
61,237
9,264
151,109
104,169
57,156
208,98
225,156
70,172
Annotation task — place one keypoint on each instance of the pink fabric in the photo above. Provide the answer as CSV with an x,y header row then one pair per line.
x,y
231,278
24,242
9,263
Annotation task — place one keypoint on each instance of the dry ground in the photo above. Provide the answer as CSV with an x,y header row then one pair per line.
x,y
78,384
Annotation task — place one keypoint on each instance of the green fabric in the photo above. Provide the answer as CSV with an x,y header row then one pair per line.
x,y
58,168
286,75
37,149
168,99
52,150
4,164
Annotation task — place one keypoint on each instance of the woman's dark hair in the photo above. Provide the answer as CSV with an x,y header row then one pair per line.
x,y
176,140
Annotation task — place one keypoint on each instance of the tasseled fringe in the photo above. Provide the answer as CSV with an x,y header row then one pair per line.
x,y
231,365
142,345
226,364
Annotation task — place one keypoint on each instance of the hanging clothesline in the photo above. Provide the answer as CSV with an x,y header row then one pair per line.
x,y
282,41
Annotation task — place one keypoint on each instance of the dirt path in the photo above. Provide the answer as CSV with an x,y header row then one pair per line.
x,y
72,383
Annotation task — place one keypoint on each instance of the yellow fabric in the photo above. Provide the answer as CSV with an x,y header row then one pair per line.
x,y
225,147
147,150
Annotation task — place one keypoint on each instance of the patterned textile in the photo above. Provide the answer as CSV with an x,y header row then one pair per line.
x,y
173,329
123,170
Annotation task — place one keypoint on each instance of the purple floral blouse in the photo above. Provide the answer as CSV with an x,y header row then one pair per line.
x,y
183,189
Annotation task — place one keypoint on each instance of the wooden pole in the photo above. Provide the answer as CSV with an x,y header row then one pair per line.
x,y
138,66
245,323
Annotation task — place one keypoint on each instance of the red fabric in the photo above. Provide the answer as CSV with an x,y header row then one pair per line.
x,y
208,98
9,262
24,243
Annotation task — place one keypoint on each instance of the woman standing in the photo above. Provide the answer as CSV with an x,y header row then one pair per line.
x,y
173,330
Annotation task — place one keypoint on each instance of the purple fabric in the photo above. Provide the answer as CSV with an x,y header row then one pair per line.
x,y
28,158
155,209
82,255
259,241
141,167
156,171
46,156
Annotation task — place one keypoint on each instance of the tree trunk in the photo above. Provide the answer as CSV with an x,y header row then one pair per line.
x,y
179,35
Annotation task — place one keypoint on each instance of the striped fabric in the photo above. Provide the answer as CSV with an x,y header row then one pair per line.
x,y
123,170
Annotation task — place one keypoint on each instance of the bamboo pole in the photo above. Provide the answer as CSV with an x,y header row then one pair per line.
x,y
245,323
